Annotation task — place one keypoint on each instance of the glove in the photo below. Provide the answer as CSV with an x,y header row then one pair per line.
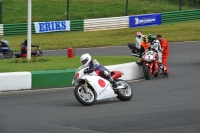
x,y
86,71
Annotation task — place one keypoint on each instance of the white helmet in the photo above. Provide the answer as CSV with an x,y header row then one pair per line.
x,y
85,59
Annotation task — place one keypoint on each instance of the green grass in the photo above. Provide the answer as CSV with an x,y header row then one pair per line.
x,y
15,11
185,31
59,63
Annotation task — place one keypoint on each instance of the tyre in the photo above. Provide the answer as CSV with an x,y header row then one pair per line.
x,y
18,55
86,98
8,54
156,75
146,71
126,93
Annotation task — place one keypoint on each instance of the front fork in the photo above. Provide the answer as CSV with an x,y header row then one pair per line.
x,y
85,86
153,67
149,65
86,89
156,67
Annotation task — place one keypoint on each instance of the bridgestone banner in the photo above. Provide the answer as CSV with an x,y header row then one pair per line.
x,y
53,26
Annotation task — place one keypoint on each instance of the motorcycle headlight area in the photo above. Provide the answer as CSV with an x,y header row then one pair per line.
x,y
148,59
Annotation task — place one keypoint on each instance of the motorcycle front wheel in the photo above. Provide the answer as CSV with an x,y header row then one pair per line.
x,y
8,54
126,93
147,73
86,97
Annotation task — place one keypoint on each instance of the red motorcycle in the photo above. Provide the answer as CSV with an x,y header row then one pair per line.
x,y
150,64
35,53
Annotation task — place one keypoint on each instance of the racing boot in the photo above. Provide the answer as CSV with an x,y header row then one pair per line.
x,y
165,74
164,70
114,84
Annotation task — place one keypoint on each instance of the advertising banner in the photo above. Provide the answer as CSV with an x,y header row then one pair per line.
x,y
53,26
144,20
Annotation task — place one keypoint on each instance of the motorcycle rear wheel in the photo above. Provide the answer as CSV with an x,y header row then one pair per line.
x,y
85,98
8,54
126,93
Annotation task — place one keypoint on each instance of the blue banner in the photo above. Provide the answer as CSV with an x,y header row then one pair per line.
x,y
144,20
53,26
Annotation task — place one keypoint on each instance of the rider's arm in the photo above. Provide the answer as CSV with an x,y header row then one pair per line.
x,y
143,35
94,66
88,70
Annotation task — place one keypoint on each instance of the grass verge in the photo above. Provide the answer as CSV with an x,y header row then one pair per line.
x,y
58,63
174,32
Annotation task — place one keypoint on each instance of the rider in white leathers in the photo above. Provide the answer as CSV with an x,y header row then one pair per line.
x,y
136,48
93,65
138,39
155,45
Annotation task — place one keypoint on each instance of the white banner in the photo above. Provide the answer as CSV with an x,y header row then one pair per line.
x,y
53,26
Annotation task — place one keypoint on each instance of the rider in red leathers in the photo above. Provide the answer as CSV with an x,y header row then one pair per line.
x,y
24,49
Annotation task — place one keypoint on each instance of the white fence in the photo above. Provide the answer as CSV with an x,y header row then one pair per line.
x,y
1,29
106,23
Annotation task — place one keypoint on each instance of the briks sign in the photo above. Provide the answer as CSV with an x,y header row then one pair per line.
x,y
144,20
53,26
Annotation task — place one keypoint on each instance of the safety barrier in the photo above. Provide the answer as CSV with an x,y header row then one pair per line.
x,y
106,23
15,81
21,28
57,78
1,29
17,29
76,25
178,16
52,78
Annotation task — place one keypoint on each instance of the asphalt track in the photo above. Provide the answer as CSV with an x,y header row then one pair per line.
x,y
159,105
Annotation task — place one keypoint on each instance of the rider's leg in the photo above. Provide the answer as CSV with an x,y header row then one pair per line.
x,y
105,74
164,62
162,67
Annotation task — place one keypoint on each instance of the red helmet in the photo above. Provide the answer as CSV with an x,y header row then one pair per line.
x,y
138,34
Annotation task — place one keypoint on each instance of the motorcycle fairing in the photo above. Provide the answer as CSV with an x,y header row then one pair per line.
x,y
156,68
149,65
103,92
116,74
4,48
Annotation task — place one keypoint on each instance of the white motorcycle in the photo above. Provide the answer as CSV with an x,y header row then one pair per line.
x,y
91,87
